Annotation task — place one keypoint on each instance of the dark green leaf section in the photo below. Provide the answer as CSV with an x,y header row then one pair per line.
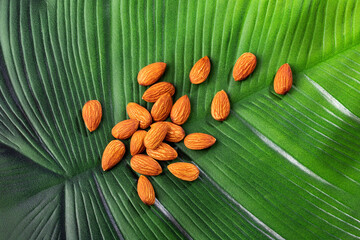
x,y
197,204
282,167
134,219
37,217
22,180
52,65
85,212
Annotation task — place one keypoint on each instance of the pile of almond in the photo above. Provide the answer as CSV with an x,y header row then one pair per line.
x,y
153,141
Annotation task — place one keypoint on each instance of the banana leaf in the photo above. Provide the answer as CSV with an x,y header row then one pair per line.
x,y
283,167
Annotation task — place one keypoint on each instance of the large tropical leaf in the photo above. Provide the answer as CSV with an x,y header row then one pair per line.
x,y
282,167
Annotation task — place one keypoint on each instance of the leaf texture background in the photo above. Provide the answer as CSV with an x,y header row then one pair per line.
x,y
282,168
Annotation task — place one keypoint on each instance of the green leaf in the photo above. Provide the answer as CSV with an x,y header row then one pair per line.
x,y
283,167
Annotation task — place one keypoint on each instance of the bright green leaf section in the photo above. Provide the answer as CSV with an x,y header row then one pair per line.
x,y
282,167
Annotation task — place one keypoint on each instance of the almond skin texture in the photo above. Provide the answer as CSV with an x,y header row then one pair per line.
x,y
220,106
283,79
175,132
200,71
137,142
199,141
155,135
154,92
145,191
125,129
163,153
184,171
145,165
112,155
162,107
244,66
92,114
151,73
135,111
180,112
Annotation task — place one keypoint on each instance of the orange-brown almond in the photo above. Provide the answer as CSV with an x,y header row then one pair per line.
x,y
157,123
200,71
283,79
175,132
244,66
155,135
180,111
137,142
145,190
151,73
113,154
145,165
162,107
184,171
220,106
125,129
92,113
135,111
162,153
199,141
154,92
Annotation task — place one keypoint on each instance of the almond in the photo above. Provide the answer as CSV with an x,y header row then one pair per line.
x,y
162,107
175,132
112,155
283,79
244,66
180,112
151,73
135,111
162,153
220,106
145,191
200,71
137,142
146,165
155,135
199,141
154,92
158,123
92,113
184,171
125,129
